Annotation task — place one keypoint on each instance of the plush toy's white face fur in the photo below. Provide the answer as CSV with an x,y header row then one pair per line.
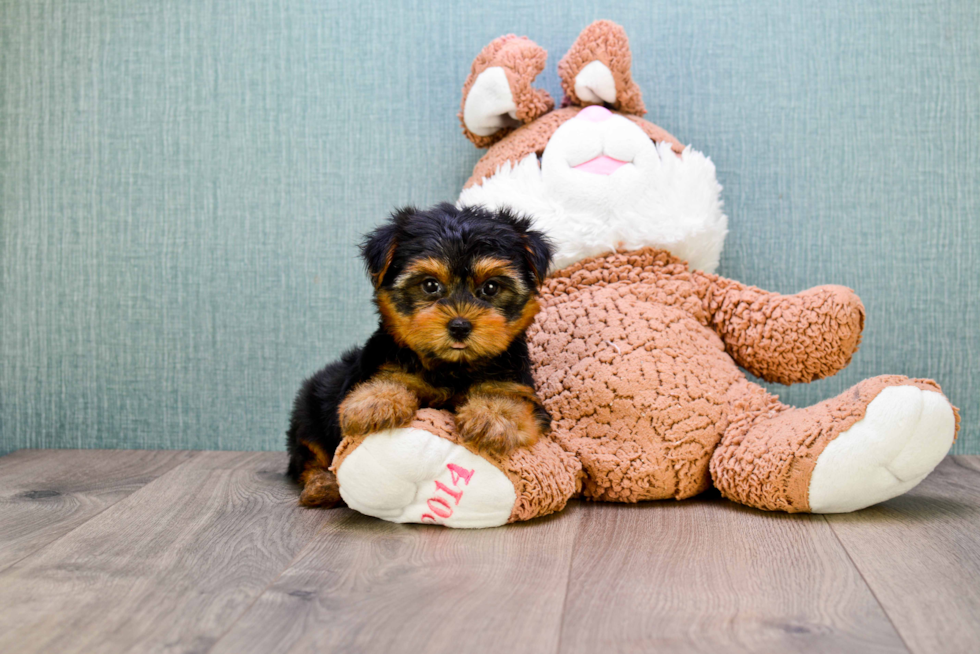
x,y
602,184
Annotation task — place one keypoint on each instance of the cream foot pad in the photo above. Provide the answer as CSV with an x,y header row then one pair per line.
x,y
412,475
904,434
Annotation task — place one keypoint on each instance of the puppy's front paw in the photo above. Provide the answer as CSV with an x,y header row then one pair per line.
x,y
497,424
377,406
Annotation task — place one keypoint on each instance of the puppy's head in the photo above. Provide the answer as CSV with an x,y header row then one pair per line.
x,y
456,285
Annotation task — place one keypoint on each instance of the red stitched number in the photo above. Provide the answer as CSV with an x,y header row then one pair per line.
x,y
458,472
444,511
439,506
455,494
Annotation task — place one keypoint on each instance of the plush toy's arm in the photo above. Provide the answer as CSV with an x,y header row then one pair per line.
x,y
784,338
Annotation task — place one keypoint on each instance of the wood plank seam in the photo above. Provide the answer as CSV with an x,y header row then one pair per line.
x,y
258,596
705,575
857,568
918,554
434,587
568,580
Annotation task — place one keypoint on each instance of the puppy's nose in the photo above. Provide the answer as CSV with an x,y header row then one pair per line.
x,y
595,113
459,328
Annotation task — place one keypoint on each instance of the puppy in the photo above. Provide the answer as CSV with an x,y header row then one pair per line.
x,y
455,290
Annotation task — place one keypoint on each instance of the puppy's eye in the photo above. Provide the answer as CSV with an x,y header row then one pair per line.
x,y
431,286
490,289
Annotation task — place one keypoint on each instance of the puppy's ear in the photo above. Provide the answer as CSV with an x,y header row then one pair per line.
x,y
538,250
378,247
538,253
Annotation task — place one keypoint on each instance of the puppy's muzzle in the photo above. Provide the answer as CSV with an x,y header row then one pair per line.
x,y
459,328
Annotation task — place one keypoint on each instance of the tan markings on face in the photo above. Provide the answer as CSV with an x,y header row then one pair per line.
x,y
488,268
527,315
394,322
426,331
490,335
429,332
429,267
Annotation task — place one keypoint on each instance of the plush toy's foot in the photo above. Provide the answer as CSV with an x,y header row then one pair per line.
x,y
412,475
869,444
425,474
904,434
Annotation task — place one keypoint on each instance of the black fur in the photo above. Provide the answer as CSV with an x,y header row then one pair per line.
x,y
454,235
459,235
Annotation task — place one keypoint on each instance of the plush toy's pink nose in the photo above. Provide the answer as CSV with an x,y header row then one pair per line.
x,y
595,113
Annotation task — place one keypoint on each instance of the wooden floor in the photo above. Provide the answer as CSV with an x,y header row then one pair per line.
x,y
207,552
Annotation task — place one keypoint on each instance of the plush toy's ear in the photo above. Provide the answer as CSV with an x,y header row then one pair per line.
x,y
497,95
378,247
596,70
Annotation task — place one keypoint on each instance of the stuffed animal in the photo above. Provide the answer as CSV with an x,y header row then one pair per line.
x,y
639,348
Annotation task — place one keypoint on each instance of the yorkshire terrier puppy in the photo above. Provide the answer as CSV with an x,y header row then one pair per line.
x,y
455,289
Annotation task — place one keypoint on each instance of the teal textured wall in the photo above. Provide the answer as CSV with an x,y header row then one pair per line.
x,y
182,185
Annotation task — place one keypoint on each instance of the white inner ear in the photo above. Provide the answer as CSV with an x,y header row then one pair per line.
x,y
490,104
595,83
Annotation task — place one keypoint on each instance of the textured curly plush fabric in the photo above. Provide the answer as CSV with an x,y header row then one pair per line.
x,y
603,41
521,60
634,379
769,449
637,359
785,339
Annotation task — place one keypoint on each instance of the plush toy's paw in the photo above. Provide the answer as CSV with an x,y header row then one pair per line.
x,y
413,475
377,406
497,424
497,95
904,434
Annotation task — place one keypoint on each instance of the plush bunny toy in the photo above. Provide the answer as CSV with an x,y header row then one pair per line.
x,y
638,347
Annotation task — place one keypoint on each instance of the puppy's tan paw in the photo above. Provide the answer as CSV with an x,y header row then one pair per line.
x,y
497,424
320,489
377,406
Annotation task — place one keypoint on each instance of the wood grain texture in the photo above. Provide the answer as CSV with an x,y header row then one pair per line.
x,y
368,586
711,576
920,554
169,568
46,494
214,555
